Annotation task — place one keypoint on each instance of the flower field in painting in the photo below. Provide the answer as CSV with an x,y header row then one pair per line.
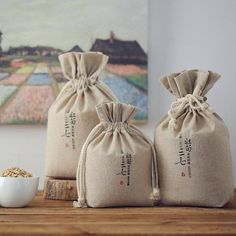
x,y
39,79
128,92
15,79
56,69
26,95
25,69
3,75
27,92
6,92
29,105
126,69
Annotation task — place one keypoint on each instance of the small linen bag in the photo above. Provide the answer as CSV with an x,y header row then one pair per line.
x,y
192,144
118,165
73,115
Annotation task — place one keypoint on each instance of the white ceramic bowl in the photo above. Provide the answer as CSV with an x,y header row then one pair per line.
x,y
17,192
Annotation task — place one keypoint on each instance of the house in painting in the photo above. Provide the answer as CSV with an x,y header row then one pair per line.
x,y
121,51
37,51
47,51
76,48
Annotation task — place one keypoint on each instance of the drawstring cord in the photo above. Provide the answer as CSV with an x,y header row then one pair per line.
x,y
76,84
191,101
118,126
80,175
83,81
155,196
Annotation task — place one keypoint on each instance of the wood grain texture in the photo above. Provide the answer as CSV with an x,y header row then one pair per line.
x,y
60,189
54,217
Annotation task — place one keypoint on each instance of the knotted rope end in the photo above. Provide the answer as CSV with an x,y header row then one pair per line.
x,y
155,196
210,110
80,203
189,101
173,124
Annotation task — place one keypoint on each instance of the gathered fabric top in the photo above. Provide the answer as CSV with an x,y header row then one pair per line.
x,y
83,68
114,112
190,88
196,82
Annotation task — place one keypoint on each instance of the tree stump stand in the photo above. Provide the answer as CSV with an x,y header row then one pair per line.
x,y
60,189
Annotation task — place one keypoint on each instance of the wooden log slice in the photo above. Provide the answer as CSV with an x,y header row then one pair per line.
x,y
60,189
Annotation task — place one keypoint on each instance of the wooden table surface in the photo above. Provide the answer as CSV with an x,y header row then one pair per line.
x,y
52,217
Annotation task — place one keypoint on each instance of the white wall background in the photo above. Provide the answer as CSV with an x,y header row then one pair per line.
x,y
183,34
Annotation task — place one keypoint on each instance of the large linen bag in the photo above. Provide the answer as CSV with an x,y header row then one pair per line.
x,y
73,115
118,165
192,144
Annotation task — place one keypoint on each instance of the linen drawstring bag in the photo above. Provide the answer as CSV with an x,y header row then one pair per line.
x,y
192,144
73,115
118,165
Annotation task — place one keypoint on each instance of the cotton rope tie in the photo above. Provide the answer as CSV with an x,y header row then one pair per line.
x,y
155,196
189,101
80,176
83,81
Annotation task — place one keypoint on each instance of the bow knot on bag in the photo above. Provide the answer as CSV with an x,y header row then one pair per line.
x,y
190,101
83,82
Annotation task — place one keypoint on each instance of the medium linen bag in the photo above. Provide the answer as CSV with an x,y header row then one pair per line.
x,y
118,165
192,144
73,114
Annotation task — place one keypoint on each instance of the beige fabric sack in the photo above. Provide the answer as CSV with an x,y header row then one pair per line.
x,y
118,165
192,144
73,115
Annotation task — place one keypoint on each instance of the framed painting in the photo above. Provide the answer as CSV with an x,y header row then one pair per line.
x,y
40,30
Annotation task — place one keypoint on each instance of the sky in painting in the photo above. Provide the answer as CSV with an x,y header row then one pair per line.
x,y
65,23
